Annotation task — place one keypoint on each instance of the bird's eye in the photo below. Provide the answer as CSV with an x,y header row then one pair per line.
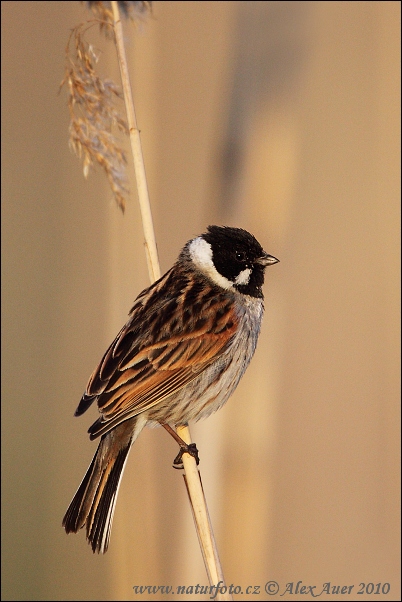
x,y
240,255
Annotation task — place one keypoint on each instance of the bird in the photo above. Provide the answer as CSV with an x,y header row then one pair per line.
x,y
181,354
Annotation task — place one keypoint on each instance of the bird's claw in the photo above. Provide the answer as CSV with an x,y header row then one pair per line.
x,y
188,449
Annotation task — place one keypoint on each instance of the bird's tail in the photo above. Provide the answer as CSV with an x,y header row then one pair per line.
x,y
94,503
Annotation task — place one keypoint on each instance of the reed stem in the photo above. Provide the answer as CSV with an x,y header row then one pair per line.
x,y
192,475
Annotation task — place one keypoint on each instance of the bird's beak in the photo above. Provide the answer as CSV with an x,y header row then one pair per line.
x,y
266,260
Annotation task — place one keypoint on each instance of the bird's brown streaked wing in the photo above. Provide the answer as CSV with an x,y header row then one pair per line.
x,y
165,370
126,409
122,344
146,375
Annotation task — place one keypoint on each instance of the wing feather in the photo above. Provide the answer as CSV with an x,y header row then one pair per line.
x,y
170,338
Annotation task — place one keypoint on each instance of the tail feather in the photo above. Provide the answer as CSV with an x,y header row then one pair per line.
x,y
94,503
74,518
100,518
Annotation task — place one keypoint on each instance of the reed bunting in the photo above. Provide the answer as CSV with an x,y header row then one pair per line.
x,y
188,340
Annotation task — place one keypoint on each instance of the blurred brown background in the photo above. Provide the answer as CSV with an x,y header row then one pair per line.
x,y
279,117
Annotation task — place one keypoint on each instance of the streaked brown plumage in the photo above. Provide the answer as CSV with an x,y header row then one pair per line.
x,y
188,341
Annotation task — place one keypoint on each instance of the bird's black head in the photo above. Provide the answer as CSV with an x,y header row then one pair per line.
x,y
239,258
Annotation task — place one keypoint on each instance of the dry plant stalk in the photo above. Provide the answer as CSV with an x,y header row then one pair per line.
x,y
131,10
93,101
192,475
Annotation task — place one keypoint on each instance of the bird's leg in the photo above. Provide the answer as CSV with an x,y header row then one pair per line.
x,y
185,448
